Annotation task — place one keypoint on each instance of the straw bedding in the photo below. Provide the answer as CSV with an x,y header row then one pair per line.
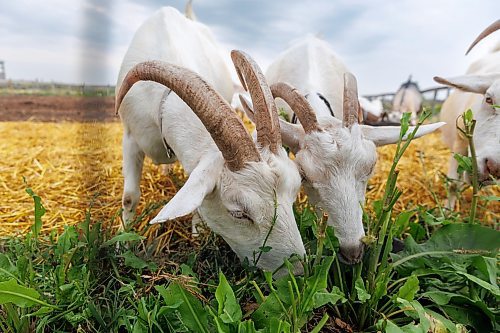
x,y
71,165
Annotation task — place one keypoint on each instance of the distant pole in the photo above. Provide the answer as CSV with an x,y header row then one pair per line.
x,y
2,70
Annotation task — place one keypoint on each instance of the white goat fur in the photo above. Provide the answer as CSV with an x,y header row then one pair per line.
x,y
336,162
211,188
482,80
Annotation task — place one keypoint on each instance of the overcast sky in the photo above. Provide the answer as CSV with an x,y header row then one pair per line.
x,y
381,42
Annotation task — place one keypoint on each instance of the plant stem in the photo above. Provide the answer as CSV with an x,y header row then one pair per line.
x,y
321,238
321,323
273,222
475,173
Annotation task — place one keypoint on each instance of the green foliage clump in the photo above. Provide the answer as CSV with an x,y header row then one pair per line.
x,y
89,280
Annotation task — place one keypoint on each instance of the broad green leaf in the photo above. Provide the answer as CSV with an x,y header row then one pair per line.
x,y
316,283
322,298
269,309
7,269
191,311
402,222
439,297
409,289
188,271
464,163
491,288
472,317
279,326
331,241
464,310
488,267
392,328
445,325
67,240
74,318
124,237
424,323
11,292
361,292
229,310
219,324
131,260
450,241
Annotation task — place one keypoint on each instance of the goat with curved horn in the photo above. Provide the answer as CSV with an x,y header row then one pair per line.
x,y
489,30
221,122
337,160
175,109
266,113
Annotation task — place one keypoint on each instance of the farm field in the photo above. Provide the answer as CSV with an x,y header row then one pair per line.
x,y
77,160
68,151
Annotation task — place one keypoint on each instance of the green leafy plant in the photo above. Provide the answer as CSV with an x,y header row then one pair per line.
x,y
89,279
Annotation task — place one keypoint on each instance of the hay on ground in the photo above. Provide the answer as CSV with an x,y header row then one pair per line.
x,y
70,165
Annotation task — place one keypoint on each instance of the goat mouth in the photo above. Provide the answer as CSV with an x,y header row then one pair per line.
x,y
488,182
343,259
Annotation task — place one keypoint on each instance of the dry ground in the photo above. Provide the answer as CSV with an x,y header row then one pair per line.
x,y
71,164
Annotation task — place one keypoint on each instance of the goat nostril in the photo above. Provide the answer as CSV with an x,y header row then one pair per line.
x,y
352,254
492,167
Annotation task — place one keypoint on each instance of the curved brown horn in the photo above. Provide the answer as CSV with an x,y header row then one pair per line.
x,y
222,123
266,113
298,103
351,108
490,29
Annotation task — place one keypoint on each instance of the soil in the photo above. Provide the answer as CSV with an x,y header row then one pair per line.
x,y
57,108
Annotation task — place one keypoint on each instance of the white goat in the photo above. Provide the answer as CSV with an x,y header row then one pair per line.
x,y
373,111
238,188
478,90
408,98
336,157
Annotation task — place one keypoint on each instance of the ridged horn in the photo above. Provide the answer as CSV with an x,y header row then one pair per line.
x,y
489,30
266,113
222,123
298,103
351,108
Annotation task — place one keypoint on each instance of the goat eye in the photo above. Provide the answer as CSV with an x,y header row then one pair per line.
x,y
489,100
240,215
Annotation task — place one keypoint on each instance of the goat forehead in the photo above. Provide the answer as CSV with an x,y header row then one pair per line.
x,y
341,147
262,181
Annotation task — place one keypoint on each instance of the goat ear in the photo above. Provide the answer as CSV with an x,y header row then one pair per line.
x,y
470,83
385,135
200,183
291,135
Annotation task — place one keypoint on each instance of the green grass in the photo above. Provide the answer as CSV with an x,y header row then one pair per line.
x,y
87,279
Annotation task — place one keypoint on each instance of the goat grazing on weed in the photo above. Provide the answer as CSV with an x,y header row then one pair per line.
x,y
335,154
243,191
